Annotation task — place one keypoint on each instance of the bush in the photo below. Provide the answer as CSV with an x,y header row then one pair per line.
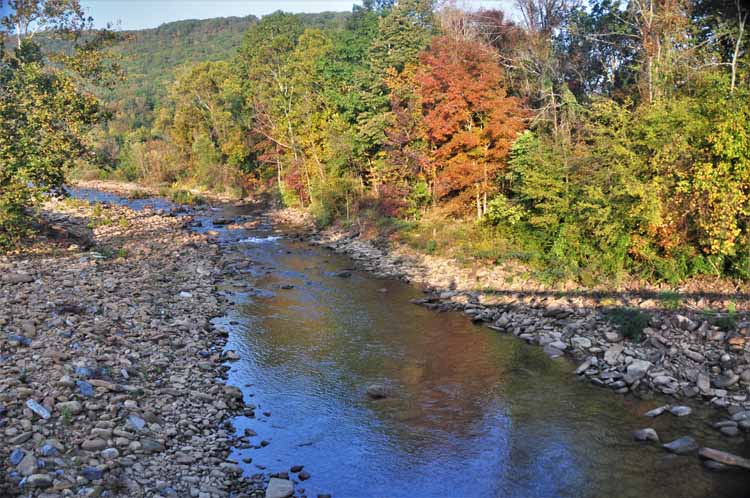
x,y
630,321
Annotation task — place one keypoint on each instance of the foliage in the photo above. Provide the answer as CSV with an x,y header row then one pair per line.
x,y
630,321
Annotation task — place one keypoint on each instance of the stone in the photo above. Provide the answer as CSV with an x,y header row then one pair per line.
x,y
656,411
39,481
72,407
581,342
638,368
612,336
704,383
613,353
136,422
730,431
85,389
378,391
647,434
304,475
16,456
17,278
28,465
94,444
38,409
681,446
724,381
92,473
724,458
680,411
279,488
110,453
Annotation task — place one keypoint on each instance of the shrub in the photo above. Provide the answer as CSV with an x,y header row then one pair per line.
x,y
630,321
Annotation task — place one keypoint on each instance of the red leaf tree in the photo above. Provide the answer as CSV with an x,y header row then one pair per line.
x,y
470,121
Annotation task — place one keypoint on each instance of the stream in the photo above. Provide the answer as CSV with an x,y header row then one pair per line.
x,y
472,413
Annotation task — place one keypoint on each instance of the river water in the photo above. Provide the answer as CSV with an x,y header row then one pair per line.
x,y
473,413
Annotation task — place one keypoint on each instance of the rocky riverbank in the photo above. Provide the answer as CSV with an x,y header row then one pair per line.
x,y
111,373
681,352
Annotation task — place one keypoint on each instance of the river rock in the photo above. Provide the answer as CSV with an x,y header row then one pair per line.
x,y
681,446
647,434
612,355
94,444
680,411
656,411
279,488
378,391
17,278
38,409
724,458
638,368
39,481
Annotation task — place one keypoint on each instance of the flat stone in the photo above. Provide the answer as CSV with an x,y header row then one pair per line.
x,y
680,411
95,444
613,353
724,458
39,481
38,409
681,446
656,411
17,278
279,488
28,465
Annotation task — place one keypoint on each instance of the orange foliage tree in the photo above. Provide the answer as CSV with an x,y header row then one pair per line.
x,y
469,119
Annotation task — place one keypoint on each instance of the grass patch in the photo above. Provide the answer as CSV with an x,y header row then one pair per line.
x,y
670,300
630,322
186,197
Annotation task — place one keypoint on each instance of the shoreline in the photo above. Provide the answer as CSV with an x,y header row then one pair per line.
x,y
681,355
112,376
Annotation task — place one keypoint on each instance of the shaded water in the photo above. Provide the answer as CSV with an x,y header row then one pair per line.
x,y
474,413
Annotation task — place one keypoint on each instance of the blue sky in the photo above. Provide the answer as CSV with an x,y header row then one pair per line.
x,y
139,14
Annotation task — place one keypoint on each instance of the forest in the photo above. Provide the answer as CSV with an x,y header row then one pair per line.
x,y
591,141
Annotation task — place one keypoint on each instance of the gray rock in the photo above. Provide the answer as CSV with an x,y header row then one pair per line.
x,y
110,453
638,368
378,391
613,353
730,431
704,383
647,434
28,465
656,411
279,488
17,278
94,444
681,446
39,481
680,411
724,381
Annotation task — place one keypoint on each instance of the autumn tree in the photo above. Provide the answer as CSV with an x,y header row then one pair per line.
x,y
470,121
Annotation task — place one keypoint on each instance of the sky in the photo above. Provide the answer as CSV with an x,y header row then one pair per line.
x,y
140,14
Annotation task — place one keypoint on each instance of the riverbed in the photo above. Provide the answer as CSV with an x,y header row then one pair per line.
x,y
470,412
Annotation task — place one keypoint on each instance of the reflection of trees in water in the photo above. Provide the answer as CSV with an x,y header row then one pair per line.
x,y
498,406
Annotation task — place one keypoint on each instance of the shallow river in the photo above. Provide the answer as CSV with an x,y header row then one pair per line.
x,y
474,413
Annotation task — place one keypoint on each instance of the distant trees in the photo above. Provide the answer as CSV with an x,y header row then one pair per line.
x,y
596,141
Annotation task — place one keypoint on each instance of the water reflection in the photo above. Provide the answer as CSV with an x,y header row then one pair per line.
x,y
474,413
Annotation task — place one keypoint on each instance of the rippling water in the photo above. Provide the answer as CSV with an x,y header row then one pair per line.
x,y
474,413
